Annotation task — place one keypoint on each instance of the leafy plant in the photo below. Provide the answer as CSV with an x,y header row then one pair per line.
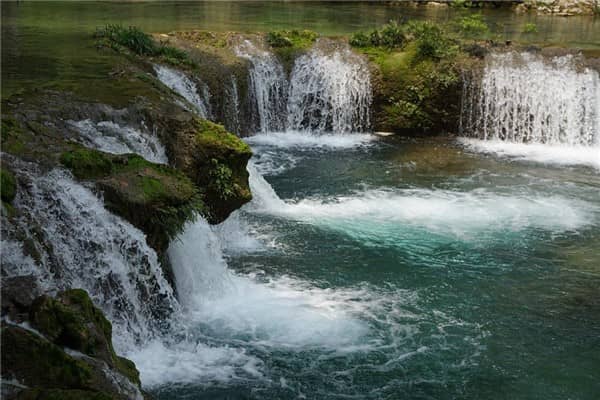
x,y
222,180
390,35
132,38
431,40
530,28
473,25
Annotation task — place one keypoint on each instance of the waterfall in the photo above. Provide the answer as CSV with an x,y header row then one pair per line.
x,y
330,91
110,137
524,98
268,85
232,106
82,245
181,84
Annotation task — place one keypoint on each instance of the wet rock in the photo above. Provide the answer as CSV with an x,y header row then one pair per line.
x,y
18,293
72,320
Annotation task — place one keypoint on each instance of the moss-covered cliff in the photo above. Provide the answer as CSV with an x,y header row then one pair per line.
x,y
61,348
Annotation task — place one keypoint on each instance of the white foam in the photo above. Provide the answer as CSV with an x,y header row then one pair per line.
x,y
298,139
191,361
542,153
259,311
181,84
113,138
378,212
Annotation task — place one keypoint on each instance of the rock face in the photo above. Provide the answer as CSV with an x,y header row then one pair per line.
x,y
64,351
153,197
562,7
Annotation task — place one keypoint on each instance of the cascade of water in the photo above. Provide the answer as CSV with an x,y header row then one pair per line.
x,y
85,246
232,107
330,90
523,98
268,84
113,138
180,83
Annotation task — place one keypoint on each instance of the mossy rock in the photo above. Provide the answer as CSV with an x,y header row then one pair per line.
x,y
37,362
220,167
412,94
289,44
153,197
62,394
8,185
72,320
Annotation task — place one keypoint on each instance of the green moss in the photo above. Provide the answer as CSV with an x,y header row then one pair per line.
x,y
155,198
87,163
37,362
72,320
214,135
8,185
288,44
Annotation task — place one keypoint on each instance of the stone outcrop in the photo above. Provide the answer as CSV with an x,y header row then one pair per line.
x,y
61,349
562,7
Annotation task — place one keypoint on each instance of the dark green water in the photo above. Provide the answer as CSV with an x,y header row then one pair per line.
x,y
45,41
409,269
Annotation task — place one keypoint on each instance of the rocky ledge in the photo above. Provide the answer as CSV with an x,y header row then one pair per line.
x,y
60,347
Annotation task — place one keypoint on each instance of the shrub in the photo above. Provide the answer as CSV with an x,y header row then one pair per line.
x,y
530,28
359,39
277,39
473,25
391,35
132,38
431,40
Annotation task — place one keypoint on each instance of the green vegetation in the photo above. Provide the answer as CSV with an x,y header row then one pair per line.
x,y
8,185
132,38
287,45
155,198
390,36
221,159
530,28
222,179
39,361
215,136
73,321
294,38
87,163
472,26
417,83
431,40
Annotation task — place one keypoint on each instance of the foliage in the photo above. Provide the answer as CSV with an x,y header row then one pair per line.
x,y
277,39
291,38
530,28
222,179
432,42
389,36
472,25
119,37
